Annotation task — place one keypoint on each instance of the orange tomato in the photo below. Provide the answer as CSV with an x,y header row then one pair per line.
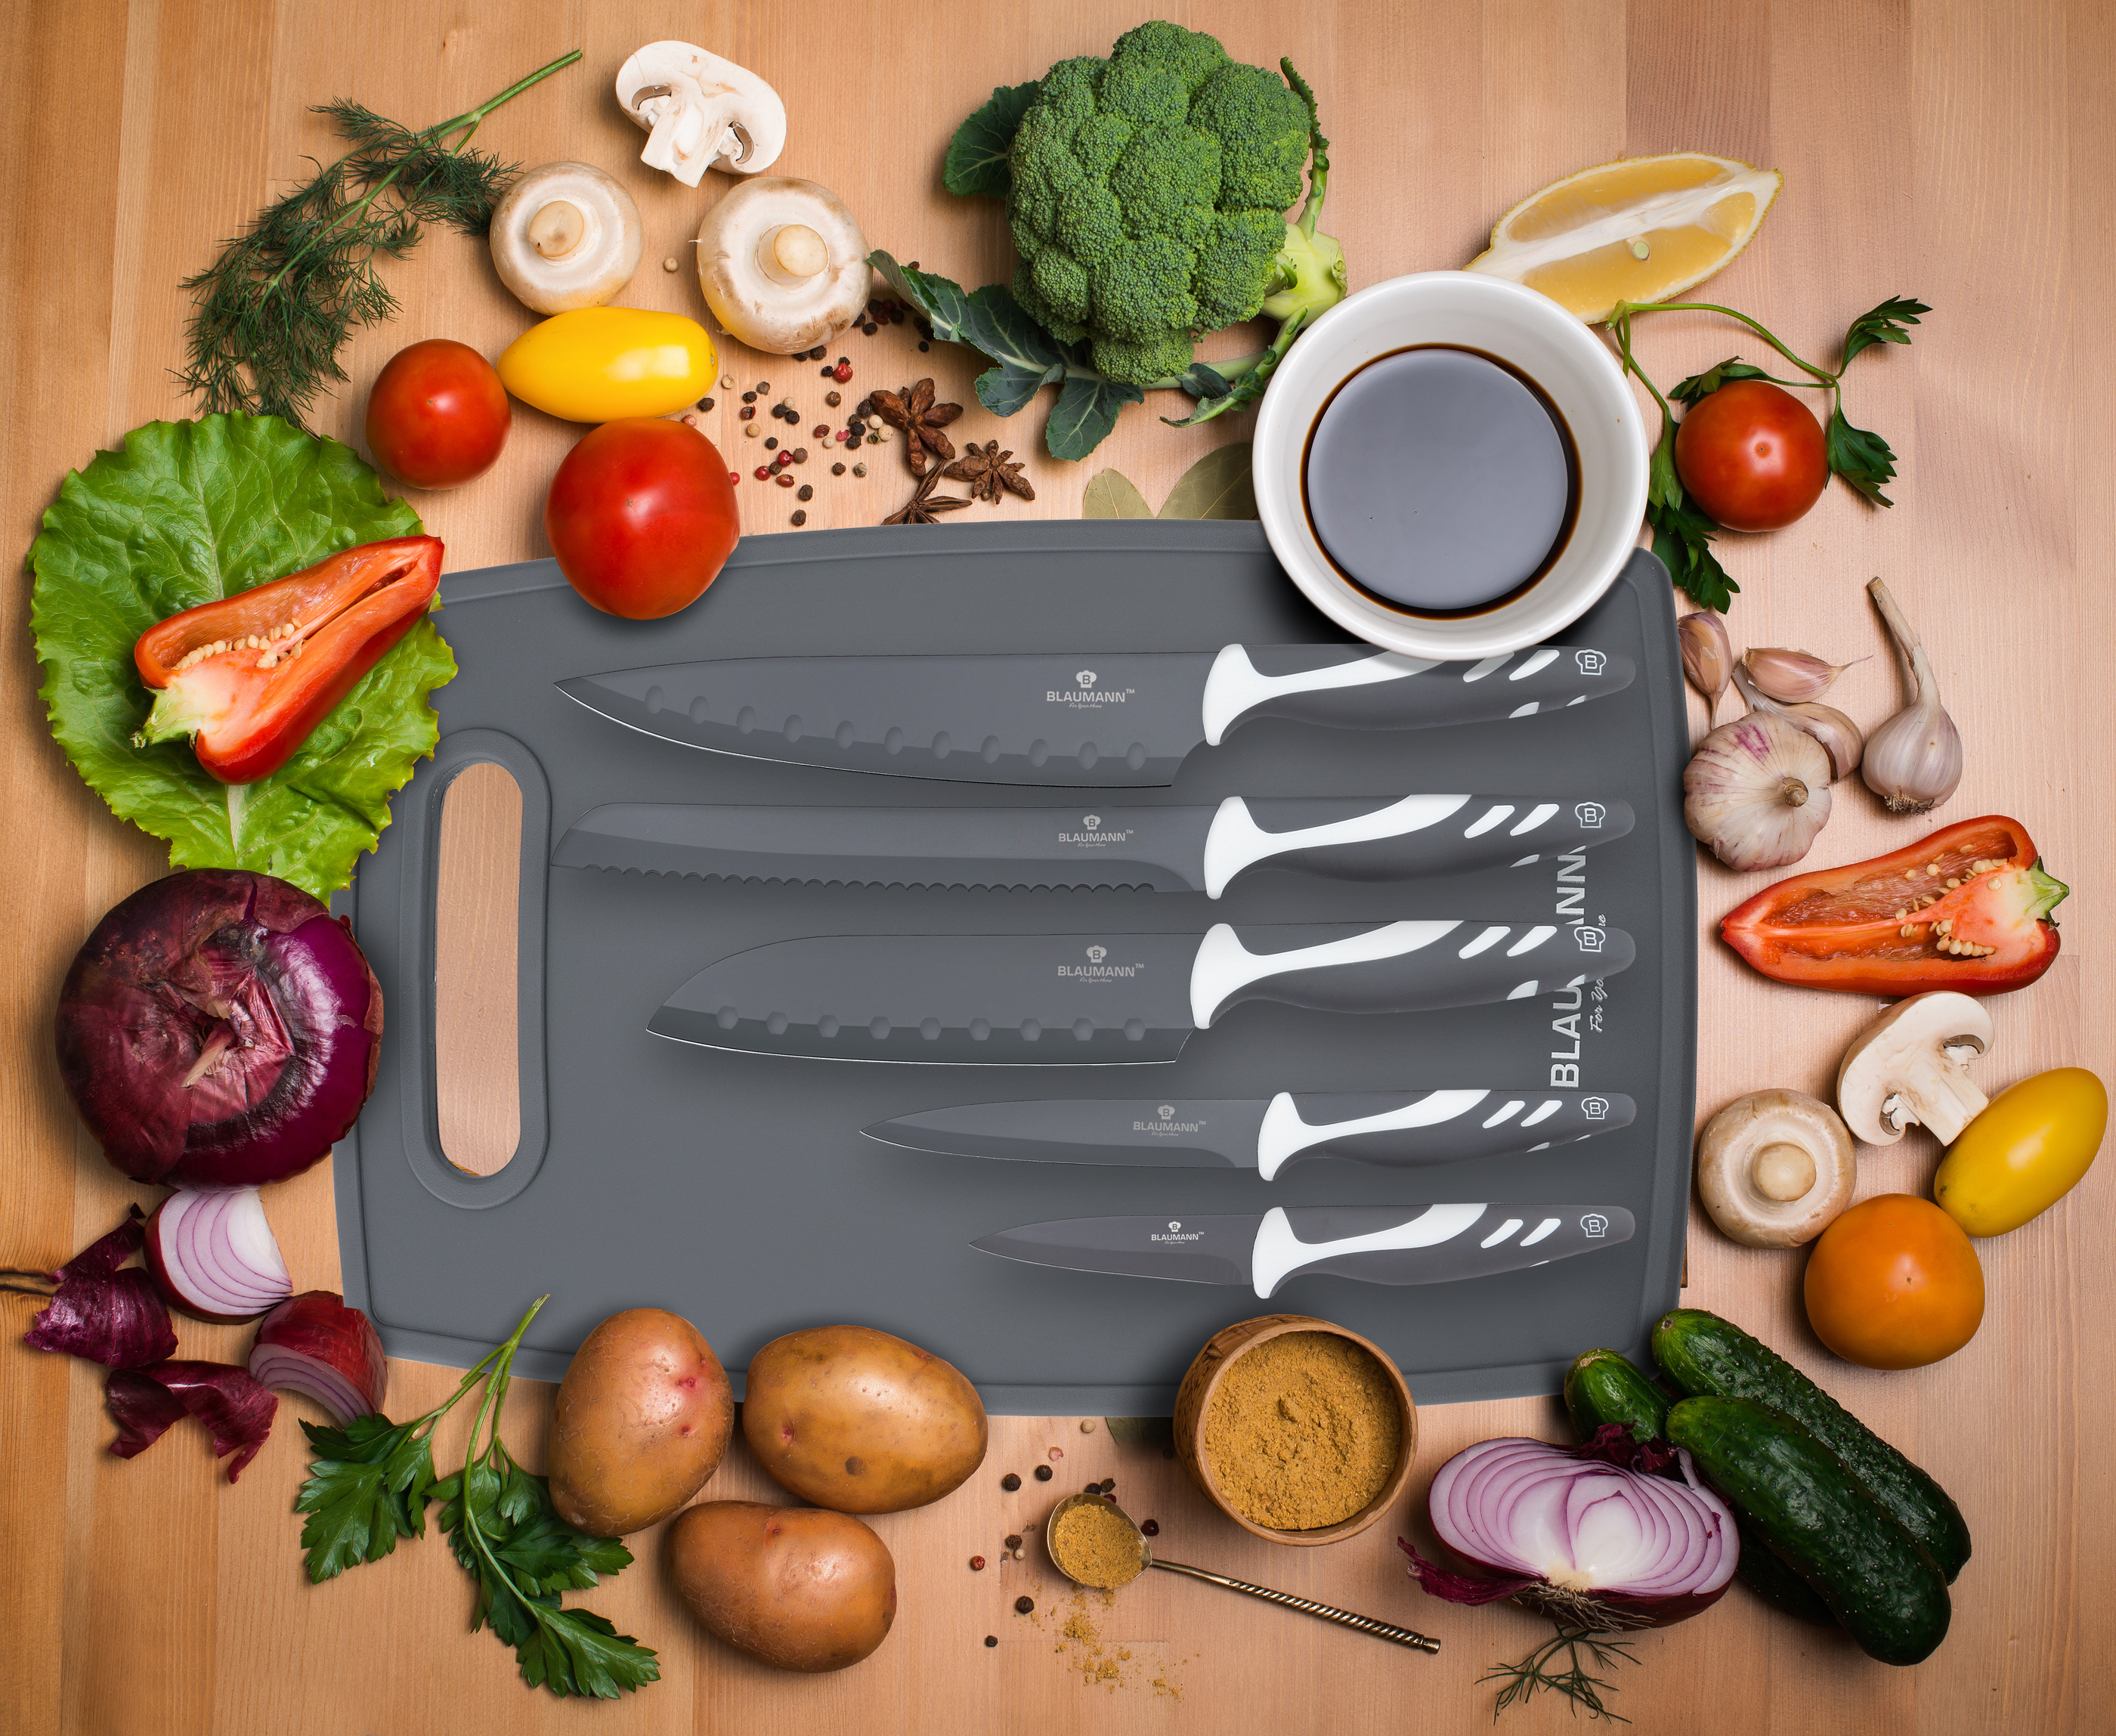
x,y
1894,1283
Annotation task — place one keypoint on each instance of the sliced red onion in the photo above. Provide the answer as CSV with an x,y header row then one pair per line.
x,y
218,1029
212,1254
1585,1532
313,1344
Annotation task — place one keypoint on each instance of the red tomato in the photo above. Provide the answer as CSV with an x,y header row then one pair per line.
x,y
1894,1283
641,516
1752,456
438,415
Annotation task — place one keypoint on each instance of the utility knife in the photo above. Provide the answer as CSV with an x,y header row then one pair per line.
x,y
1169,848
1399,1128
1091,718
1010,1000
1376,1244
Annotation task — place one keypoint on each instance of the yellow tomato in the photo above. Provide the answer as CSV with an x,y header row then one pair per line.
x,y
600,364
2023,1153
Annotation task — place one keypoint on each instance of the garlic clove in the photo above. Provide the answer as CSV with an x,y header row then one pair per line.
x,y
1707,657
1913,761
1756,792
1792,677
1839,736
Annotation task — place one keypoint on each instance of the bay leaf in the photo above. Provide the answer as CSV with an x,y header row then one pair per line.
x,y
1216,487
1112,495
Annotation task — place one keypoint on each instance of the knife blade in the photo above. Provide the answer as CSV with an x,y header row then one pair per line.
x,y
1012,1000
1169,848
1397,1129
1097,719
1375,1244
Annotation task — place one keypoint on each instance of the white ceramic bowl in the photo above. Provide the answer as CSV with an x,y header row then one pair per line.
x,y
1551,347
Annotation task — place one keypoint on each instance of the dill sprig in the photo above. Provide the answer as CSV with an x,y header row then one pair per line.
x,y
271,312
1572,1677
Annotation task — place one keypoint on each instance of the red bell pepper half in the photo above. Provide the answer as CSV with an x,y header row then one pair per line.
x,y
1965,909
249,677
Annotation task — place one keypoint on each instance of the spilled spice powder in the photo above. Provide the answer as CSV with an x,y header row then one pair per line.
x,y
1095,1544
1304,1431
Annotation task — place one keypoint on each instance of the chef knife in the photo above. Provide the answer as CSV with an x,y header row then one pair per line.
x,y
1169,848
1376,1244
1093,718
1011,1000
1400,1129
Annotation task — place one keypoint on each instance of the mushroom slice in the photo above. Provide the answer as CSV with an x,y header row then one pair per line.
x,y
566,236
1775,1168
783,265
1908,1068
701,112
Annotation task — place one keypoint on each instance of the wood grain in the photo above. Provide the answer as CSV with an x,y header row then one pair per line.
x,y
1957,150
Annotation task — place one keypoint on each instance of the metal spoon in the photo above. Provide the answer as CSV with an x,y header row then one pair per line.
x,y
1364,1624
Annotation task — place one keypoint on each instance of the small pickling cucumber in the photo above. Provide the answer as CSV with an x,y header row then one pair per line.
x,y
1818,1519
1703,1354
1605,1386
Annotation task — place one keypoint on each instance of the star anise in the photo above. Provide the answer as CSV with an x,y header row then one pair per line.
x,y
986,469
925,506
913,413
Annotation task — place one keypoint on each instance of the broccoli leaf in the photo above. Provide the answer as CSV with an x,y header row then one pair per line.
x,y
1087,409
1861,458
188,513
1886,324
976,156
1024,358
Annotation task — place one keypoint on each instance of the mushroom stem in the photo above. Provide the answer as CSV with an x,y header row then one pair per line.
x,y
557,228
1944,1100
792,253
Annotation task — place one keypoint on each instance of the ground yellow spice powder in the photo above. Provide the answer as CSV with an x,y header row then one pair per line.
x,y
1303,1431
1095,1544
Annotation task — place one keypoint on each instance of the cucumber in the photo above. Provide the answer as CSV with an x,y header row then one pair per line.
x,y
1704,1355
1819,1518
1605,1386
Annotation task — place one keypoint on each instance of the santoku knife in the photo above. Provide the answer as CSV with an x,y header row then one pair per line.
x,y
1093,718
1400,1129
1012,1000
1376,1244
1169,848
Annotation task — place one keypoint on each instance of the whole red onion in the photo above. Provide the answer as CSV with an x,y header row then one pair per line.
x,y
219,1029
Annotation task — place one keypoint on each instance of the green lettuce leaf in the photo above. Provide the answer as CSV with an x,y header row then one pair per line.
x,y
187,512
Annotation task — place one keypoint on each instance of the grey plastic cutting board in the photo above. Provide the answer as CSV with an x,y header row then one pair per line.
x,y
737,1191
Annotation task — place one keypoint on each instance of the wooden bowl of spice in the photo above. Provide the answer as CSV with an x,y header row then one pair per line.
x,y
1298,1430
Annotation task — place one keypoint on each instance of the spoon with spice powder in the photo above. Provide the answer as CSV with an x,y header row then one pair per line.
x,y
1094,1542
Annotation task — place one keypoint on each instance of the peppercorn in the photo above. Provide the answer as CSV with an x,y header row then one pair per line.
x,y
826,371
992,1639
749,398
977,1564
1109,1485
800,454
1024,1606
734,475
817,353
860,470
842,372
837,470
751,431
822,430
1013,1542
1087,1425
867,330
800,519
805,492
923,345
1152,1528
762,387
1042,1473
748,412
705,403
1009,1482
764,472
834,398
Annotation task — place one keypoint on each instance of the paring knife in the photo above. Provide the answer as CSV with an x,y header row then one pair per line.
x,y
1010,1000
1376,1244
1171,849
1400,1129
1093,718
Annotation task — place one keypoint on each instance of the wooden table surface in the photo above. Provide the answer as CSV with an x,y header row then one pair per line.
x,y
1957,152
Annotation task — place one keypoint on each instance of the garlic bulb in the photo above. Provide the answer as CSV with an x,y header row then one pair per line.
x,y
1839,736
1756,792
1707,657
1914,760
1793,677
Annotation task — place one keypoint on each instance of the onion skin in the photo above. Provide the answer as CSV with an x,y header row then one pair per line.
x,y
116,1318
317,1324
244,979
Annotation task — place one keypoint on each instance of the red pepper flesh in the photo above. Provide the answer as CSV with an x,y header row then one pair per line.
x,y
250,677
1976,885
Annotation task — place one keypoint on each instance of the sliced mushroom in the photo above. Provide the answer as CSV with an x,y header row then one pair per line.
x,y
1908,1069
566,236
783,265
701,112
1775,1168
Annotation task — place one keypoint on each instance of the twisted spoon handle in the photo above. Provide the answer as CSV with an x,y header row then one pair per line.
x,y
1364,1624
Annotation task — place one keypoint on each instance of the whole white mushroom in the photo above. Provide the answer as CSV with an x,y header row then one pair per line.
x,y
566,236
783,265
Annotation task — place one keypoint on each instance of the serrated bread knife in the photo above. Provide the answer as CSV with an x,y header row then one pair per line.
x,y
1169,848
1376,1244
1397,1129
1011,1000
1091,718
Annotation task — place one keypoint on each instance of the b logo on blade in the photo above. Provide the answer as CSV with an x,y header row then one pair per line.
x,y
1591,814
1593,1107
1092,822
1595,1224
1168,1112
1176,1232
1085,677
1174,1225
1096,955
1590,939
1590,662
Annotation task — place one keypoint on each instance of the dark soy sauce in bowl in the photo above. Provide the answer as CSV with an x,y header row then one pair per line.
x,y
1441,481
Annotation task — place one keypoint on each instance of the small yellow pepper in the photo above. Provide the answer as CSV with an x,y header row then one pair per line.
x,y
2024,1153
598,364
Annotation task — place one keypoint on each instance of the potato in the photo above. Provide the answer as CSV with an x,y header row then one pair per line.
x,y
800,1589
643,1419
853,1419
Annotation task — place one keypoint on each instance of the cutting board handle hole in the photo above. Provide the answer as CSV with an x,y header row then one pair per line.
x,y
476,1023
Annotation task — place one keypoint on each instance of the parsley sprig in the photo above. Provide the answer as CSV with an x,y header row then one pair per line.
x,y
369,1485
1682,531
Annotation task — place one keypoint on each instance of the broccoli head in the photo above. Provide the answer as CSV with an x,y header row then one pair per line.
x,y
1149,198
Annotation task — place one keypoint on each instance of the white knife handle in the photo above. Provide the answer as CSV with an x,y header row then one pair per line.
x,y
1225,967
1285,1135
1236,842
1278,1253
1235,687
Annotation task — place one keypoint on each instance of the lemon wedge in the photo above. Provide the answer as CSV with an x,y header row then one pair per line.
x,y
1640,230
